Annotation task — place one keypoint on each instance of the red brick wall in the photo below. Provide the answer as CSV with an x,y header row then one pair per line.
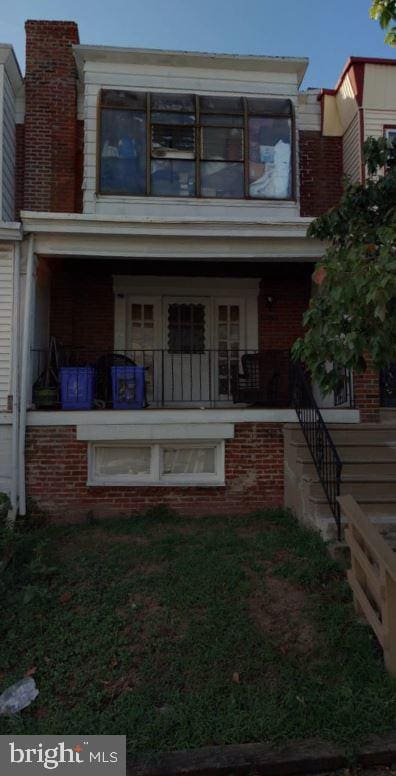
x,y
50,116
19,168
320,172
289,286
367,395
82,308
57,475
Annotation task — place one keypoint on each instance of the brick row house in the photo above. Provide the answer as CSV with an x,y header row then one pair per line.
x,y
161,203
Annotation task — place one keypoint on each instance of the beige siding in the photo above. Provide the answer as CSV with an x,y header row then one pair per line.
x,y
379,87
8,173
352,151
6,304
346,102
374,121
332,126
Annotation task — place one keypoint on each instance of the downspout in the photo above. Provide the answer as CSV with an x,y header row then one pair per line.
x,y
25,361
15,387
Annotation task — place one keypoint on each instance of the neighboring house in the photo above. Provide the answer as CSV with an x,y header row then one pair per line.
x,y
362,105
165,199
10,236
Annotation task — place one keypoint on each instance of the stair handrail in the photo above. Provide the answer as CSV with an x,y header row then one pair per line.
x,y
324,453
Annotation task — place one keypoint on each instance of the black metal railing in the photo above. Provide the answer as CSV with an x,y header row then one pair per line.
x,y
388,386
343,395
99,379
324,453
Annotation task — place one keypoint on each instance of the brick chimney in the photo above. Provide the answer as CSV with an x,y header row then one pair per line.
x,y
51,132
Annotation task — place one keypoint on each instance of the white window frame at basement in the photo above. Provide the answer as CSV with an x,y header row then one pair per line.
x,y
156,477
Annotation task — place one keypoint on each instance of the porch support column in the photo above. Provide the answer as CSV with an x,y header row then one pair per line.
x,y
15,385
25,369
367,394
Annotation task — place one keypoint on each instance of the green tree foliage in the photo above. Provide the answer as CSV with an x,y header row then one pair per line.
x,y
353,313
384,11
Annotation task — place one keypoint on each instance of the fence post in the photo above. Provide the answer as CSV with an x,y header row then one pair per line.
x,y
389,615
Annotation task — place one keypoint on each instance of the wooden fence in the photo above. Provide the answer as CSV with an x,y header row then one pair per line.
x,y
372,577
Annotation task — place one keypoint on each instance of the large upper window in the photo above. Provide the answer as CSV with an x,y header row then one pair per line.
x,y
181,145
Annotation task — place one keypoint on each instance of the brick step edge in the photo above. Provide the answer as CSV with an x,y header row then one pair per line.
x,y
301,757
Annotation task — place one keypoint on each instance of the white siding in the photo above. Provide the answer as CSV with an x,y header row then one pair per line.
x,y
374,121
8,176
6,304
352,151
308,111
98,75
5,457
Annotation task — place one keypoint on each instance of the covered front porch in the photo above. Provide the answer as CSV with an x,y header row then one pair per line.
x,y
130,335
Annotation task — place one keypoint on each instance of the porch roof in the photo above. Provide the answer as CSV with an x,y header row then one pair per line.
x,y
192,237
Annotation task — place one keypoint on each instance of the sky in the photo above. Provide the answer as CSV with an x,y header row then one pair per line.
x,y
326,31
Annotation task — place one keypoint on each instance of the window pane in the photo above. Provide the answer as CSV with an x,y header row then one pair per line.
x,y
173,102
123,152
173,142
265,107
222,143
219,179
270,158
184,460
215,119
118,99
221,105
122,461
186,328
172,178
172,118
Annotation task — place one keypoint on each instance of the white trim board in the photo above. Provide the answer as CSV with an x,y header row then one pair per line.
x,y
206,415
157,431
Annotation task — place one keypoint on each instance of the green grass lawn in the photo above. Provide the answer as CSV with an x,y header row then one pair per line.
x,y
186,632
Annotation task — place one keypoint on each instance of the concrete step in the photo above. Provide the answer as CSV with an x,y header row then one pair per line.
x,y
368,455
382,511
380,435
361,488
364,453
381,469
388,415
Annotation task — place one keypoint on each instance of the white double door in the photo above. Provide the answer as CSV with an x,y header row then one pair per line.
x,y
191,346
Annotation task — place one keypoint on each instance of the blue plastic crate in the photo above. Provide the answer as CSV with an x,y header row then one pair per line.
x,y
77,387
128,385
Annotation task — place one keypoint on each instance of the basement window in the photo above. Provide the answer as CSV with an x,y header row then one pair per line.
x,y
167,463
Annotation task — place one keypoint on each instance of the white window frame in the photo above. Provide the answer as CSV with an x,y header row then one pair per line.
x,y
388,131
157,478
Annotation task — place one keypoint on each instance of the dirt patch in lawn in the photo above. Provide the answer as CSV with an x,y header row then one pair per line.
x,y
278,609
97,539
140,541
147,568
253,529
125,683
